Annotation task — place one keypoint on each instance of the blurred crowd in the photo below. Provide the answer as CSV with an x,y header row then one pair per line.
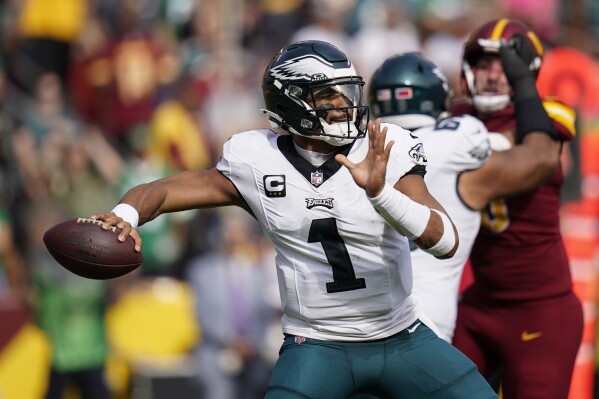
x,y
97,96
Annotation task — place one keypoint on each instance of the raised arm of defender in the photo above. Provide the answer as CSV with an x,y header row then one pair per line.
x,y
536,157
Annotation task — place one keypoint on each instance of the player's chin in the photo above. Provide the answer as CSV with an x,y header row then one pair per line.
x,y
335,121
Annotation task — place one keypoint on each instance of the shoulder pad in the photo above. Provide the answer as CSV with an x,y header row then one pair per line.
x,y
563,117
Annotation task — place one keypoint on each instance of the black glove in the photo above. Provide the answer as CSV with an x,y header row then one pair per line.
x,y
520,63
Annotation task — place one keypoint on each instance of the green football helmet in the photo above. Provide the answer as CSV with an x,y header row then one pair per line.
x,y
306,71
410,91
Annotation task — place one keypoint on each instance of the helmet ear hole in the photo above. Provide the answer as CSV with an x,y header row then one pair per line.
x,y
281,109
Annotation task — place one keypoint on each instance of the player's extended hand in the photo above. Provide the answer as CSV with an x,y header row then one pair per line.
x,y
519,63
370,173
111,219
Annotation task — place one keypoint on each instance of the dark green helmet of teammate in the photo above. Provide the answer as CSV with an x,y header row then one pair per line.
x,y
409,90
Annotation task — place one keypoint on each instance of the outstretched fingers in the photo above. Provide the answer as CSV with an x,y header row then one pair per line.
x,y
378,138
111,219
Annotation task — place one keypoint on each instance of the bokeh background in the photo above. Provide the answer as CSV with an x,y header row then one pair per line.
x,y
99,95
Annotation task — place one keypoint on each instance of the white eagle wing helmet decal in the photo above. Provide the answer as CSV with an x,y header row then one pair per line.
x,y
310,68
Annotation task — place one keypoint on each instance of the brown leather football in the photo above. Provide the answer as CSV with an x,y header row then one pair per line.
x,y
82,246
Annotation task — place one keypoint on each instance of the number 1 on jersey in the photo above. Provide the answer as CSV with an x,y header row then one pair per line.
x,y
344,278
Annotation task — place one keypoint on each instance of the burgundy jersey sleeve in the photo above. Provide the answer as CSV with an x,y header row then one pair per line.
x,y
564,118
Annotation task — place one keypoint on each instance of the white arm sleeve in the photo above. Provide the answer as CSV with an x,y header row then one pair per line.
x,y
411,218
447,241
405,215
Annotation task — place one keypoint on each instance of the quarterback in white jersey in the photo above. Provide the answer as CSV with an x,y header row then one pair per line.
x,y
329,238
463,174
339,200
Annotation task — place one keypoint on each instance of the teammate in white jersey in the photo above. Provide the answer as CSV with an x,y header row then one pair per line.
x,y
463,174
338,201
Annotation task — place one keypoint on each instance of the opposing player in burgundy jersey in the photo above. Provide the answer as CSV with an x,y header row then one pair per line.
x,y
463,174
520,315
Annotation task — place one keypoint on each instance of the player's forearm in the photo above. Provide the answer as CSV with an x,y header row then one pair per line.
x,y
530,165
430,229
544,160
440,238
147,199
192,189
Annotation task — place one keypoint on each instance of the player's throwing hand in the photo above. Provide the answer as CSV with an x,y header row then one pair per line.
x,y
370,173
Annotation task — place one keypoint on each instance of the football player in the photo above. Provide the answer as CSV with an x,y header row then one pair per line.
x,y
339,200
463,174
521,313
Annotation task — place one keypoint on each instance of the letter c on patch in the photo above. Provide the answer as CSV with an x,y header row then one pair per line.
x,y
274,185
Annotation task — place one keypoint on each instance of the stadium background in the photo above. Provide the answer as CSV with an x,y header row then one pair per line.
x,y
99,95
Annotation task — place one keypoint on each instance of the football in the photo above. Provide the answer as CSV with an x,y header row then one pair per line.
x,y
83,247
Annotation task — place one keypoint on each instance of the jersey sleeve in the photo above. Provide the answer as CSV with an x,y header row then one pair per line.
x,y
457,143
564,118
237,155
407,154
224,163
474,146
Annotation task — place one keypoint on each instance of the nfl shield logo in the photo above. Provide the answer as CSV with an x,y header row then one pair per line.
x,y
316,178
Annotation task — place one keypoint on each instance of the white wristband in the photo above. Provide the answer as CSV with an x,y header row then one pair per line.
x,y
447,241
127,213
403,214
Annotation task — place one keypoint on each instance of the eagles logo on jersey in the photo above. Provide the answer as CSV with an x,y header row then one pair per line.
x,y
417,152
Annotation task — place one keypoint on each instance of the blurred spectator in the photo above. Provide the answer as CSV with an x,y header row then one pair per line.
x,y
92,169
47,127
70,310
327,23
234,310
8,125
540,15
580,25
269,24
217,111
46,30
12,268
385,29
176,135
120,80
122,84
445,27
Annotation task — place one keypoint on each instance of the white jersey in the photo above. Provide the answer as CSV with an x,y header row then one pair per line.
x,y
344,274
453,146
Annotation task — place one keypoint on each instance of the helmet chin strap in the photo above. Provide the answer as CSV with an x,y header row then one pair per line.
x,y
490,103
337,133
